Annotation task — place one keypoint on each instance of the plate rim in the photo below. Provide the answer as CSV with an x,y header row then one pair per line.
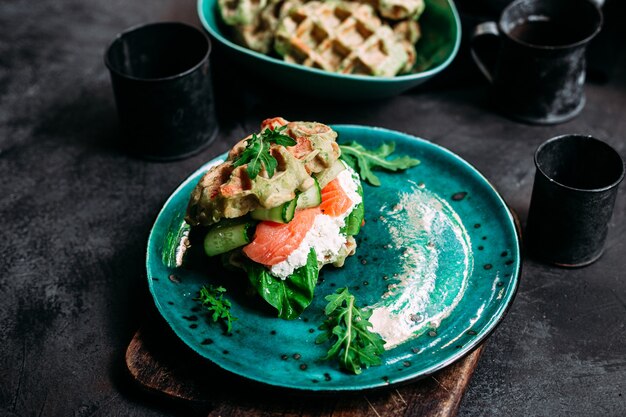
x,y
468,348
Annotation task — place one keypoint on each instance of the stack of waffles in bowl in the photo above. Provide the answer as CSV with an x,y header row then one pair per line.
x,y
350,37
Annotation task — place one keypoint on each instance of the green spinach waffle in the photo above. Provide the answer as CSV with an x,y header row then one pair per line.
x,y
344,37
365,37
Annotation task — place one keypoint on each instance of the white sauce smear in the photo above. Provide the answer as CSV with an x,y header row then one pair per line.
x,y
416,302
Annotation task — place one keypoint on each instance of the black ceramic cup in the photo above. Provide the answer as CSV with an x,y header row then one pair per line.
x,y
538,71
163,92
572,201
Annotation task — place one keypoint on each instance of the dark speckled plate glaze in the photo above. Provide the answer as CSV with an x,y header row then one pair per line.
x,y
438,260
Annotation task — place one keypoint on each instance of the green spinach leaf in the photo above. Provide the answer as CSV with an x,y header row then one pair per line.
x,y
354,220
289,296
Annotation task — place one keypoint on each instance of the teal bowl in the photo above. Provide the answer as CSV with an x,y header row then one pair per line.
x,y
441,36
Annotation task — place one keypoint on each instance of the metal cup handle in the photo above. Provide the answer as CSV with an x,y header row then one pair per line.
x,y
484,29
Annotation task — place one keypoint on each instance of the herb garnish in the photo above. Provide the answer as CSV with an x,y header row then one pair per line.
x,y
365,160
213,299
354,345
257,152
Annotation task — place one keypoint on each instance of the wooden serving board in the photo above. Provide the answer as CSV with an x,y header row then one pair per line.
x,y
160,362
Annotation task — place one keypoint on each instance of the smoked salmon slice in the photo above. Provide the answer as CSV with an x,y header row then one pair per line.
x,y
274,242
335,201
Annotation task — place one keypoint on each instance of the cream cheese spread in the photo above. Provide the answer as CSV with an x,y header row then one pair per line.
x,y
325,236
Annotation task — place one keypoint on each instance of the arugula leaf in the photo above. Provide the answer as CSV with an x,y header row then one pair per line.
x,y
288,296
365,160
213,299
276,136
347,327
257,153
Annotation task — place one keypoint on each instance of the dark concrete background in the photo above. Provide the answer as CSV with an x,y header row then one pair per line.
x,y
75,212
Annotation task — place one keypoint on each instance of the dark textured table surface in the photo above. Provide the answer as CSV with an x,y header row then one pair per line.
x,y
75,212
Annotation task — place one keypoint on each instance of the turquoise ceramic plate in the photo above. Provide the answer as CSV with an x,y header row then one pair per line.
x,y
438,261
441,36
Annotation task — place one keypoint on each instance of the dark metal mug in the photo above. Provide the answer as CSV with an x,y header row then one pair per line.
x,y
572,201
538,73
162,84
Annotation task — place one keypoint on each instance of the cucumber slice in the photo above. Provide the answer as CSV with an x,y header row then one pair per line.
x,y
326,176
312,197
226,236
281,214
